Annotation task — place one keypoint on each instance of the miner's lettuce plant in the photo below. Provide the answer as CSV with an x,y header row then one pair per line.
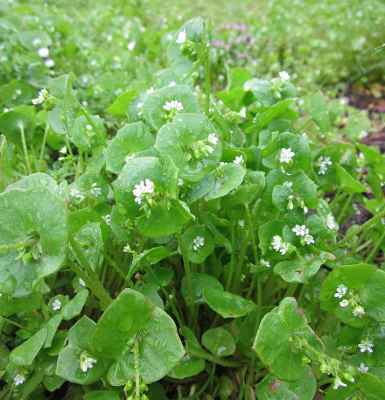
x,y
200,245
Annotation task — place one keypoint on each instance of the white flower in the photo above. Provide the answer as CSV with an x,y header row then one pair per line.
x,y
49,63
181,38
366,346
286,155
279,245
127,249
324,164
265,263
172,84
131,45
143,188
95,190
41,97
173,105
81,282
86,362
43,52
213,139
56,305
331,222
198,242
36,42
107,219
76,194
340,291
363,368
150,91
241,223
359,311
338,383
301,230
238,160
308,239
284,76
344,303
19,379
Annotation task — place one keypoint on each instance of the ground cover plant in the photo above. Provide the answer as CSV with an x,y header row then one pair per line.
x,y
181,236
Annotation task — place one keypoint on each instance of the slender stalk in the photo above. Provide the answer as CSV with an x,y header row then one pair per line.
x,y
374,250
89,276
207,66
187,268
136,368
232,260
25,149
344,208
42,149
364,227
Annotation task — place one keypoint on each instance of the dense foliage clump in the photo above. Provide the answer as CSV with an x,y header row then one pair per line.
x,y
166,233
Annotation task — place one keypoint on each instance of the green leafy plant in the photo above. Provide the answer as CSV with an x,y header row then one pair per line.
x,y
189,243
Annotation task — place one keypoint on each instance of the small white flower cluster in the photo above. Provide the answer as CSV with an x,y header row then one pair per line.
x,y
56,305
331,222
143,189
76,194
265,263
173,105
127,249
41,97
86,362
19,379
286,155
198,243
303,231
363,368
181,38
324,164
341,292
238,160
279,245
213,139
43,52
95,190
107,219
366,346
284,76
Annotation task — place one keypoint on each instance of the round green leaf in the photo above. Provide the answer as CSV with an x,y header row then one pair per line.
x,y
274,340
187,367
226,304
197,243
186,141
219,341
130,139
199,283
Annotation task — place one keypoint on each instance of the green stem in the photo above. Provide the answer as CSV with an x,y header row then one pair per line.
x,y
374,251
232,260
25,149
187,268
136,368
364,227
344,208
89,276
215,360
206,53
42,149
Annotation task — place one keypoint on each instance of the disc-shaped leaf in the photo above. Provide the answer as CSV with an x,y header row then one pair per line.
x,y
362,280
186,141
272,388
274,342
154,107
197,243
199,283
226,304
130,139
219,342
160,349
225,178
33,236
187,367
301,269
126,316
